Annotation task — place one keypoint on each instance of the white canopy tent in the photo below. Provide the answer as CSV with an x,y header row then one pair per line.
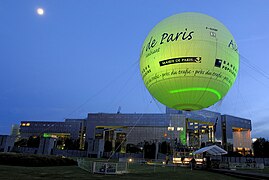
x,y
214,150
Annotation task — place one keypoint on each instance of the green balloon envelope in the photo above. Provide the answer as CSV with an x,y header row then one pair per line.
x,y
189,61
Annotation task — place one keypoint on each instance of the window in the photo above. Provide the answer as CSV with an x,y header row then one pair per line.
x,y
170,128
179,128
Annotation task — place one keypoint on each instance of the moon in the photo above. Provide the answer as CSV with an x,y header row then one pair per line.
x,y
40,11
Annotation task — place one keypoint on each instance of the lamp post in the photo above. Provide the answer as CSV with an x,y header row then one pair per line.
x,y
171,130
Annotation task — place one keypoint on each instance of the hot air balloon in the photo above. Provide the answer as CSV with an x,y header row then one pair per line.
x,y
189,61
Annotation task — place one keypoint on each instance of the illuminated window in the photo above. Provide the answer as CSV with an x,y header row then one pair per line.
x,y
196,127
191,124
171,128
179,128
27,124
23,124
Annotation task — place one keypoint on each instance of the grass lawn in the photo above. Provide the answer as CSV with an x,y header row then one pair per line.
x,y
264,171
137,171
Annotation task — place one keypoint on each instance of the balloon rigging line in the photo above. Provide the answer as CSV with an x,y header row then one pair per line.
x,y
253,77
244,102
122,87
236,104
108,84
100,91
112,154
253,67
156,103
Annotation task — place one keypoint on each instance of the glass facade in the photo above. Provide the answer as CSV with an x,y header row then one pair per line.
x,y
192,129
236,134
38,128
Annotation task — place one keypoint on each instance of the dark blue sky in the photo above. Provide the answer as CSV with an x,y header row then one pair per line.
x,y
83,56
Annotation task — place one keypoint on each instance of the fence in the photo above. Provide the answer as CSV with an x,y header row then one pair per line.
x,y
246,160
109,168
69,153
122,155
59,152
241,165
85,165
26,150
103,167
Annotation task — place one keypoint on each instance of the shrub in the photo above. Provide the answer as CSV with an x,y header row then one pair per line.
x,y
14,159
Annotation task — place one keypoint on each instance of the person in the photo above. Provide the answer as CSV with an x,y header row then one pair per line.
x,y
167,159
208,162
193,163
182,159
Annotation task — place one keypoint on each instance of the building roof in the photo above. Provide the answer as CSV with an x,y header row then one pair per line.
x,y
214,150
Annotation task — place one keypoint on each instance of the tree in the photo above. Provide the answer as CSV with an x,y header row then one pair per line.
x,y
60,143
165,147
149,150
21,142
117,146
261,147
33,141
131,148
86,145
68,144
108,146
76,144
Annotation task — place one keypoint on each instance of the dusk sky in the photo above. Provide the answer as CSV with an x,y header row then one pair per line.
x,y
83,56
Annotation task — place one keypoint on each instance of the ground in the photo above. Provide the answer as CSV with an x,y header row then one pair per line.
x,y
136,172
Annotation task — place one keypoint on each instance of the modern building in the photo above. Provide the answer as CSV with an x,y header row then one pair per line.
x,y
6,143
15,130
72,129
193,129
236,134
132,128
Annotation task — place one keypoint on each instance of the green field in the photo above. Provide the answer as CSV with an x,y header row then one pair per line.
x,y
137,171
263,171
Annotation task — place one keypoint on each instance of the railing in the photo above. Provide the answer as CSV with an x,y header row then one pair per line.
x,y
109,168
85,165
265,161
103,167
